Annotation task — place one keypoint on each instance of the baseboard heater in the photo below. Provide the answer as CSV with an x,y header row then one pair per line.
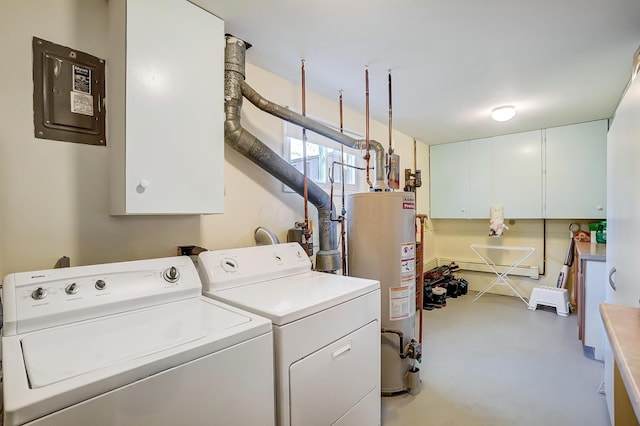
x,y
523,270
429,264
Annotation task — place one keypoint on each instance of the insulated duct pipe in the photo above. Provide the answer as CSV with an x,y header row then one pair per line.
x,y
328,257
302,121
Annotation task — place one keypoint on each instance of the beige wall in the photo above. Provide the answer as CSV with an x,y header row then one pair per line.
x,y
54,198
454,237
54,195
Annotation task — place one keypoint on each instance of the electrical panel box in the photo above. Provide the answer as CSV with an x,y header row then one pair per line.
x,y
68,94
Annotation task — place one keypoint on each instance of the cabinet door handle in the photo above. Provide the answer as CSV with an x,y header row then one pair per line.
x,y
611,283
341,352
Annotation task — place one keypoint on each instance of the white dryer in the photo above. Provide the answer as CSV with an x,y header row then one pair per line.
x,y
131,343
326,330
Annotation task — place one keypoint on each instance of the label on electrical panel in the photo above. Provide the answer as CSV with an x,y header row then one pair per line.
x,y
399,303
81,98
81,103
81,79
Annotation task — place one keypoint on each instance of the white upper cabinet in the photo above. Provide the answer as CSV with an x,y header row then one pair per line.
x,y
556,173
517,174
576,171
468,177
480,166
165,106
449,171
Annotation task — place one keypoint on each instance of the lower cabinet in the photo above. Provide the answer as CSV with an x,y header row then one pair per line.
x,y
621,360
591,276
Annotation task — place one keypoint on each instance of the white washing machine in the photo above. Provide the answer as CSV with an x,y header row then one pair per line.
x,y
131,343
326,330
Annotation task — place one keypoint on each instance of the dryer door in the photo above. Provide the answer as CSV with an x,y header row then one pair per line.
x,y
328,383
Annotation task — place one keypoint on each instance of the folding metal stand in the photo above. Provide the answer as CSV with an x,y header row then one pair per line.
x,y
502,277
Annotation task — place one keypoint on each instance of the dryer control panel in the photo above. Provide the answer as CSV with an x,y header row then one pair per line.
x,y
41,299
221,269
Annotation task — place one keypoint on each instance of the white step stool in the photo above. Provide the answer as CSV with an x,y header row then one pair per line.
x,y
550,296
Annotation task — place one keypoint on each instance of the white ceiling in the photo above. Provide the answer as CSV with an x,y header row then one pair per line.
x,y
451,61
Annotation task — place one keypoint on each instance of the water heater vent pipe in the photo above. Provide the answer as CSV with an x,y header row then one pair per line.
x,y
240,139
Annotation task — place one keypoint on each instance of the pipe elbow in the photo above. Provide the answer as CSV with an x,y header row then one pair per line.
x,y
232,131
376,146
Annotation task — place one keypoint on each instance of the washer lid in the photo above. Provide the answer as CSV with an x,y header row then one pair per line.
x,y
64,352
288,299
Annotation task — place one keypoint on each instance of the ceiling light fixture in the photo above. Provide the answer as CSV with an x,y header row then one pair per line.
x,y
503,113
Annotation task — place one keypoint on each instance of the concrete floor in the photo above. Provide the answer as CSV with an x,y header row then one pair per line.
x,y
493,362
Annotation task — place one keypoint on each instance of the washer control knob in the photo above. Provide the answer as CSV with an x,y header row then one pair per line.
x,y
100,285
71,288
39,293
171,275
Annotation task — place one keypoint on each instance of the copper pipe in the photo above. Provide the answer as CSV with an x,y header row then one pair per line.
x,y
420,272
343,212
331,172
304,168
415,156
304,102
342,151
390,119
415,167
341,125
366,155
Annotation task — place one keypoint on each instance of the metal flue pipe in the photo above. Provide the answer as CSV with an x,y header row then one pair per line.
x,y
238,138
309,124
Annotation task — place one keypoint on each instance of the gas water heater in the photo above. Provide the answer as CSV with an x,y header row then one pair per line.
x,y
381,245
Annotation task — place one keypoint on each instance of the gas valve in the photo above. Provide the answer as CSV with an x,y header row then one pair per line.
x,y
413,350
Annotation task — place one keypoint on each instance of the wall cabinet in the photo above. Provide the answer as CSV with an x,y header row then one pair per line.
x,y
165,104
517,175
576,171
527,173
623,210
480,178
461,179
468,177
449,169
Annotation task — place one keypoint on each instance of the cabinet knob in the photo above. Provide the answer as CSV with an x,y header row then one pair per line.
x,y
142,186
462,210
599,208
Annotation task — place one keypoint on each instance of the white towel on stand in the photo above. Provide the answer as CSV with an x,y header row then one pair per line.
x,y
496,221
